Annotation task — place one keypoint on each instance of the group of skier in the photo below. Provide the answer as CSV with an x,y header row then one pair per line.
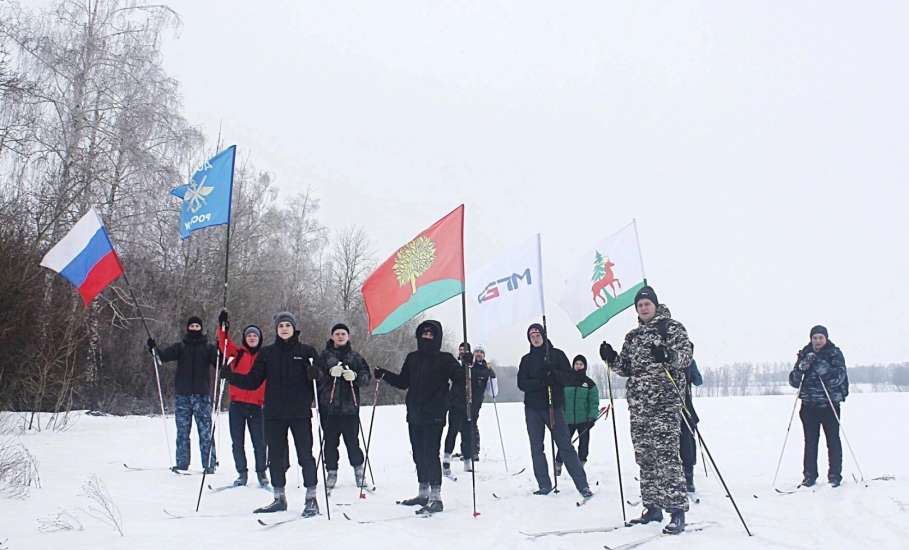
x,y
273,389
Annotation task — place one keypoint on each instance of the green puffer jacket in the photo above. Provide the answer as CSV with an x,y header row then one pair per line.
x,y
582,403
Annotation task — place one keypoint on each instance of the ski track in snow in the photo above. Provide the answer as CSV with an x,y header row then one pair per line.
x,y
744,434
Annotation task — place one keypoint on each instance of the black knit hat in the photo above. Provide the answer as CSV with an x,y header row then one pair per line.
x,y
646,293
193,319
537,326
580,358
285,316
818,329
339,326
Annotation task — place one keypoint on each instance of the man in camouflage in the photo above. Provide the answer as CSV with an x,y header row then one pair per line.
x,y
654,358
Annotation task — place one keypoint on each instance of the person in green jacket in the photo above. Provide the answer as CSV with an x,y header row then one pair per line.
x,y
582,405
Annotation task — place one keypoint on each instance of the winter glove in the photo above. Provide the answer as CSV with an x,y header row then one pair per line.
x,y
224,372
659,353
349,375
379,373
313,372
607,353
222,320
336,370
151,344
806,361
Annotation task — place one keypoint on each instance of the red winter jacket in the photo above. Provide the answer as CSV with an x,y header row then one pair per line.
x,y
241,366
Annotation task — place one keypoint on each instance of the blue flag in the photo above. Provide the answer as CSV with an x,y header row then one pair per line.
x,y
206,198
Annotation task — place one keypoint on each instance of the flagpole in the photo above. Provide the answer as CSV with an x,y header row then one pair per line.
x,y
637,239
154,355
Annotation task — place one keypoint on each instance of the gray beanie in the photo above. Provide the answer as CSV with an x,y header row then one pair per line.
x,y
285,316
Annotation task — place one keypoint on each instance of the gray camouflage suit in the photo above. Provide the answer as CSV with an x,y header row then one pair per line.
x,y
654,406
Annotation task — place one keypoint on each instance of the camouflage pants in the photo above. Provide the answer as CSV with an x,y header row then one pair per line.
x,y
186,407
655,432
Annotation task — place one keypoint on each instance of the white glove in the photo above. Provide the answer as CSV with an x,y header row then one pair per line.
x,y
349,375
336,370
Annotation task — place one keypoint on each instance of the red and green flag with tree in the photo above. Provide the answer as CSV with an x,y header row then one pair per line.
x,y
424,272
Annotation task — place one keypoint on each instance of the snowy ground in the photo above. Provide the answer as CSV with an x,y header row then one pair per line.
x,y
744,435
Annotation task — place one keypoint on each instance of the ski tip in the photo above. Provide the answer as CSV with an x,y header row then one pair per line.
x,y
346,516
495,496
476,514
262,523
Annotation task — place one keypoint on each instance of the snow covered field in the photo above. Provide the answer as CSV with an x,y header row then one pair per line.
x,y
744,435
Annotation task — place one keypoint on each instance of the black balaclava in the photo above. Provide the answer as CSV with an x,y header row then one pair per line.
x,y
434,345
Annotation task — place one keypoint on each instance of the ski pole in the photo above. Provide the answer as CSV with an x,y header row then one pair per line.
x,y
219,392
615,437
468,433
603,412
555,488
499,425
353,394
779,462
840,424
372,420
685,417
315,398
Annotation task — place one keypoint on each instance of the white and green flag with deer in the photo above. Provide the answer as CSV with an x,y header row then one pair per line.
x,y
604,281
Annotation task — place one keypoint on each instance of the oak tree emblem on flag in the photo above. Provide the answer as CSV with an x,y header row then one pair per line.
x,y
414,259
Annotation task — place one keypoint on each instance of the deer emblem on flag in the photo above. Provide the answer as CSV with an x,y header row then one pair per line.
x,y
603,276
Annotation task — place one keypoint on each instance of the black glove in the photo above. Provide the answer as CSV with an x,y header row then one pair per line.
x,y
379,373
223,320
224,372
659,353
150,343
313,372
607,353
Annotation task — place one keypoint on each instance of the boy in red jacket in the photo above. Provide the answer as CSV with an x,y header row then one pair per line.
x,y
245,405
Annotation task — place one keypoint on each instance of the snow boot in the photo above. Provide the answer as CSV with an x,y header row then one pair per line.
x,y
650,513
241,480
542,491
263,479
311,508
689,483
277,505
835,481
809,481
431,507
360,475
468,467
210,470
421,499
676,523
179,469
446,465
331,479
558,469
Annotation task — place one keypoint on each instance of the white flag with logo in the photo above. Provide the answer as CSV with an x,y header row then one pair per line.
x,y
507,290
605,280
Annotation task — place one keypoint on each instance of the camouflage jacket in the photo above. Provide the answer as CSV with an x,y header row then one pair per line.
x,y
827,365
647,380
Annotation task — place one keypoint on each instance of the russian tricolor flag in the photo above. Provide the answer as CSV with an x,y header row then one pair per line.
x,y
85,257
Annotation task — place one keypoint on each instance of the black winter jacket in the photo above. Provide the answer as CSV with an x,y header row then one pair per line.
x,y
284,364
827,364
336,395
536,376
194,357
479,376
425,375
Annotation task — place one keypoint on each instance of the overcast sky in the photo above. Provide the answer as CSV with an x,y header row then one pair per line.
x,y
761,146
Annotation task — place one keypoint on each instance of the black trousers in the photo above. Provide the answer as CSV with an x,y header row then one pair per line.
x,y
537,422
278,458
813,419
688,450
425,440
583,441
335,427
241,416
458,424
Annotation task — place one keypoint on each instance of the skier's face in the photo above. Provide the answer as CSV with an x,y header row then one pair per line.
x,y
427,334
818,341
646,309
536,338
579,365
340,337
285,330
252,339
479,356
194,327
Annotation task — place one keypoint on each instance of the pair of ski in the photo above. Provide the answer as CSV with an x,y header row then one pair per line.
x,y
232,486
136,469
691,527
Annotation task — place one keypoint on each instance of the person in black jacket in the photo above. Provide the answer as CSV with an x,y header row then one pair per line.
x,y
458,422
290,367
194,357
820,372
687,443
426,374
339,402
542,376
